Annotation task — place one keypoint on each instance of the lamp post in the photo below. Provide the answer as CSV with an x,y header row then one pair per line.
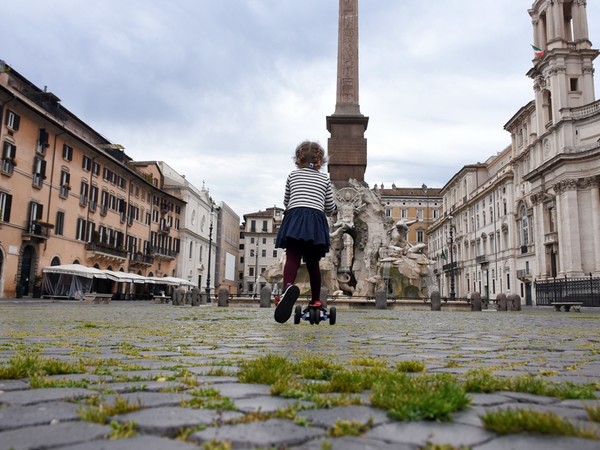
x,y
210,230
256,269
451,241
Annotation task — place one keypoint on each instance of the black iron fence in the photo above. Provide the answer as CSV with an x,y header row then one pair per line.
x,y
585,290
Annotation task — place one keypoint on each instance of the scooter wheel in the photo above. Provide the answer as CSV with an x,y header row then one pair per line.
x,y
311,315
332,315
317,313
297,314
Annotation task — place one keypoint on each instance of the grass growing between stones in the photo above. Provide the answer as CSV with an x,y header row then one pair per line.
x,y
208,398
349,428
405,397
31,364
483,381
99,412
511,421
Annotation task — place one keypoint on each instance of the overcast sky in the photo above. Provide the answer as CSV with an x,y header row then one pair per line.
x,y
224,90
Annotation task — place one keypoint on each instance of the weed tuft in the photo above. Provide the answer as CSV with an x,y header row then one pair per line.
x,y
511,421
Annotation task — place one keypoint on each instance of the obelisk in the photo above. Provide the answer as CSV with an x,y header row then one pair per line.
x,y
347,146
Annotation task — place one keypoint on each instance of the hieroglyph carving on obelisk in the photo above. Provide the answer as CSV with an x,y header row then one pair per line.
x,y
347,81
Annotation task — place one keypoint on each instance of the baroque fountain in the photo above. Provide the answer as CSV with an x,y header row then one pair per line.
x,y
369,252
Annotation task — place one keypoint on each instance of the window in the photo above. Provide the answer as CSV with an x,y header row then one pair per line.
x,y
96,169
9,153
13,120
39,172
80,230
35,211
574,84
388,212
274,253
404,213
84,193
65,178
191,250
93,197
251,253
264,240
60,223
264,225
5,204
42,141
67,152
263,253
86,164
524,227
420,236
420,213
250,271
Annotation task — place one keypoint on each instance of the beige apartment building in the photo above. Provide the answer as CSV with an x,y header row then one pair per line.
x,y
419,206
68,195
257,248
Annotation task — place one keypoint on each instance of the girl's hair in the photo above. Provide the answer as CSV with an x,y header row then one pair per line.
x,y
310,154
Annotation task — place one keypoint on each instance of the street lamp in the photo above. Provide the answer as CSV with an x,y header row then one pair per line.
x,y
256,269
451,240
210,230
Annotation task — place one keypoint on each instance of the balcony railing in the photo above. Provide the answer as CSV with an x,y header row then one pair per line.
x,y
480,259
38,230
523,274
141,258
105,249
164,252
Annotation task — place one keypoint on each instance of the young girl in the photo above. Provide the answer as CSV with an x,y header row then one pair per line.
x,y
304,231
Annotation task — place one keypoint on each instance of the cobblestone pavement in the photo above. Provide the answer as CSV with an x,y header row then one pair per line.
x,y
159,341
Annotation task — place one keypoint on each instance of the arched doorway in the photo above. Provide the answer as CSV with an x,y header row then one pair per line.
x,y
27,259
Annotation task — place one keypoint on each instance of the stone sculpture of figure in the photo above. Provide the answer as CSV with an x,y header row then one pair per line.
x,y
399,235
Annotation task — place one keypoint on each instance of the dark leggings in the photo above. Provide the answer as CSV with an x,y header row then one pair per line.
x,y
292,264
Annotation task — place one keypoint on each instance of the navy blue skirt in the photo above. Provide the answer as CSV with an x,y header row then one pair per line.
x,y
306,227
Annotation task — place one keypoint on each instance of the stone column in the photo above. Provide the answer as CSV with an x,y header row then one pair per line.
x,y
569,237
595,209
550,26
580,24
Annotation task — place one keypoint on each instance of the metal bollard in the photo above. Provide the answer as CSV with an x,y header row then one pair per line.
x,y
436,301
265,297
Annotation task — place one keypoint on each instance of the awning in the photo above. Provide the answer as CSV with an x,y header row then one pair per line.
x,y
124,277
77,270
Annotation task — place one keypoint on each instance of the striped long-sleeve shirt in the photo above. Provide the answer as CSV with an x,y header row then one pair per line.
x,y
309,188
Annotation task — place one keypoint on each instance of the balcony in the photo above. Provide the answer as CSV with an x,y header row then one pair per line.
x,y
37,230
164,228
523,274
141,259
105,252
164,253
551,238
481,259
450,266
